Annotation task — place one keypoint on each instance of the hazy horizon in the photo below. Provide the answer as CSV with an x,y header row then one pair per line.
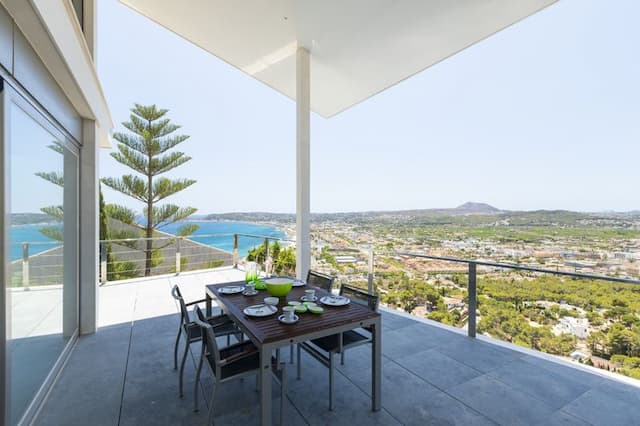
x,y
203,213
543,115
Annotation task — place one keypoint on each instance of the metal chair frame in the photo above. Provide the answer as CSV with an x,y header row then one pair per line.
x,y
211,352
222,326
318,279
321,280
325,356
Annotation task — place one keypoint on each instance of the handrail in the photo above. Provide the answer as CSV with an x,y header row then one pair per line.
x,y
195,236
521,268
472,279
177,241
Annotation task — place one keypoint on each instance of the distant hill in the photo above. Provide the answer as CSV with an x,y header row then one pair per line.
x,y
30,218
253,217
476,208
469,213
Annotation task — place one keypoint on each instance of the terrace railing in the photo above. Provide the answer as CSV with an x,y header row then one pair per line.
x,y
40,264
472,274
126,258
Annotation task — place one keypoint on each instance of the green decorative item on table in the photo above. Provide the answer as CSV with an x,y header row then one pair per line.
x,y
300,309
315,309
251,272
259,284
278,287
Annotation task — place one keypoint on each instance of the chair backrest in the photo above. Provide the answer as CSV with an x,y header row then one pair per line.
x,y
209,345
360,296
184,313
320,280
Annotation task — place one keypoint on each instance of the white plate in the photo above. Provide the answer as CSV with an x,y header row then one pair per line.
x,y
260,310
284,321
299,283
278,280
253,293
231,289
335,300
304,299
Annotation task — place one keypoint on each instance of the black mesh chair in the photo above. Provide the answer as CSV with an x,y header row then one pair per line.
x,y
324,348
318,279
222,326
233,362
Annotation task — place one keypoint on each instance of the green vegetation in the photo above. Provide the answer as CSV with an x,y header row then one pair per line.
x,y
284,258
507,310
55,213
146,150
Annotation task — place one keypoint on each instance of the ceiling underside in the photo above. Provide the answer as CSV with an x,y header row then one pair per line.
x,y
358,47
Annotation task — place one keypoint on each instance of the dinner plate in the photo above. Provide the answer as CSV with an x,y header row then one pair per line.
x,y
282,319
231,289
260,310
299,283
335,300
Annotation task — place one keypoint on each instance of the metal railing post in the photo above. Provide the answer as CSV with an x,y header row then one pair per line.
x,y
235,250
370,275
267,258
25,265
472,293
103,262
178,255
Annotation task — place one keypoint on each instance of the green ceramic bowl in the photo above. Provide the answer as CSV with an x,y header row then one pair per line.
x,y
278,287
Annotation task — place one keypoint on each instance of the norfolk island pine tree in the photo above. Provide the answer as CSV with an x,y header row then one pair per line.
x,y
147,150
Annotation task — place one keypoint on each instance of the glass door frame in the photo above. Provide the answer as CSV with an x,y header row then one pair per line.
x,y
12,94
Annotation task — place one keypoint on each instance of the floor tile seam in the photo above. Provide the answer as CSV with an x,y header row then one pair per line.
x,y
286,395
126,367
43,319
488,374
566,413
462,362
598,379
577,415
449,394
382,407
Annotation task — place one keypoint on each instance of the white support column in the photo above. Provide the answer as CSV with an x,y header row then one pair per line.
x,y
303,213
89,237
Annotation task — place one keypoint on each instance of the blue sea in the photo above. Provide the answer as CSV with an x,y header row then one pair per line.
x,y
222,236
30,234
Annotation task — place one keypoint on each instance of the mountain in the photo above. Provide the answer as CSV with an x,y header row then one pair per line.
x,y
477,208
469,213
466,209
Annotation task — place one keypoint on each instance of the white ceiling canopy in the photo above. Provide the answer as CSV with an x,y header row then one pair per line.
x,y
358,47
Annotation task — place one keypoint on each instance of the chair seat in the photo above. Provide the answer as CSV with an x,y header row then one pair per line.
x,y
249,363
223,325
249,359
332,343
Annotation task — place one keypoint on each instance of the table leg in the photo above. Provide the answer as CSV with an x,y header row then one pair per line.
x,y
376,365
265,385
208,305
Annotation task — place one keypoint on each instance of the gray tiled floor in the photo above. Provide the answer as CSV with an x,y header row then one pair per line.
x,y
124,375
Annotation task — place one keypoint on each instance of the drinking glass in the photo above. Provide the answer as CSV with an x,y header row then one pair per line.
x,y
251,271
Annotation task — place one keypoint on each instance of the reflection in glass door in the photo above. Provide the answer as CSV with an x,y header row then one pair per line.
x,y
42,293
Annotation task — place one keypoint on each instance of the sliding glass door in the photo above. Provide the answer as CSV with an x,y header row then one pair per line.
x,y
41,262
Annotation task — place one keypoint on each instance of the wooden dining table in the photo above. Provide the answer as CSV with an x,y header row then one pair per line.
x,y
269,334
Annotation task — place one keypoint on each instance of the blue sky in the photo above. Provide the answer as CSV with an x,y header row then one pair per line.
x,y
543,115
